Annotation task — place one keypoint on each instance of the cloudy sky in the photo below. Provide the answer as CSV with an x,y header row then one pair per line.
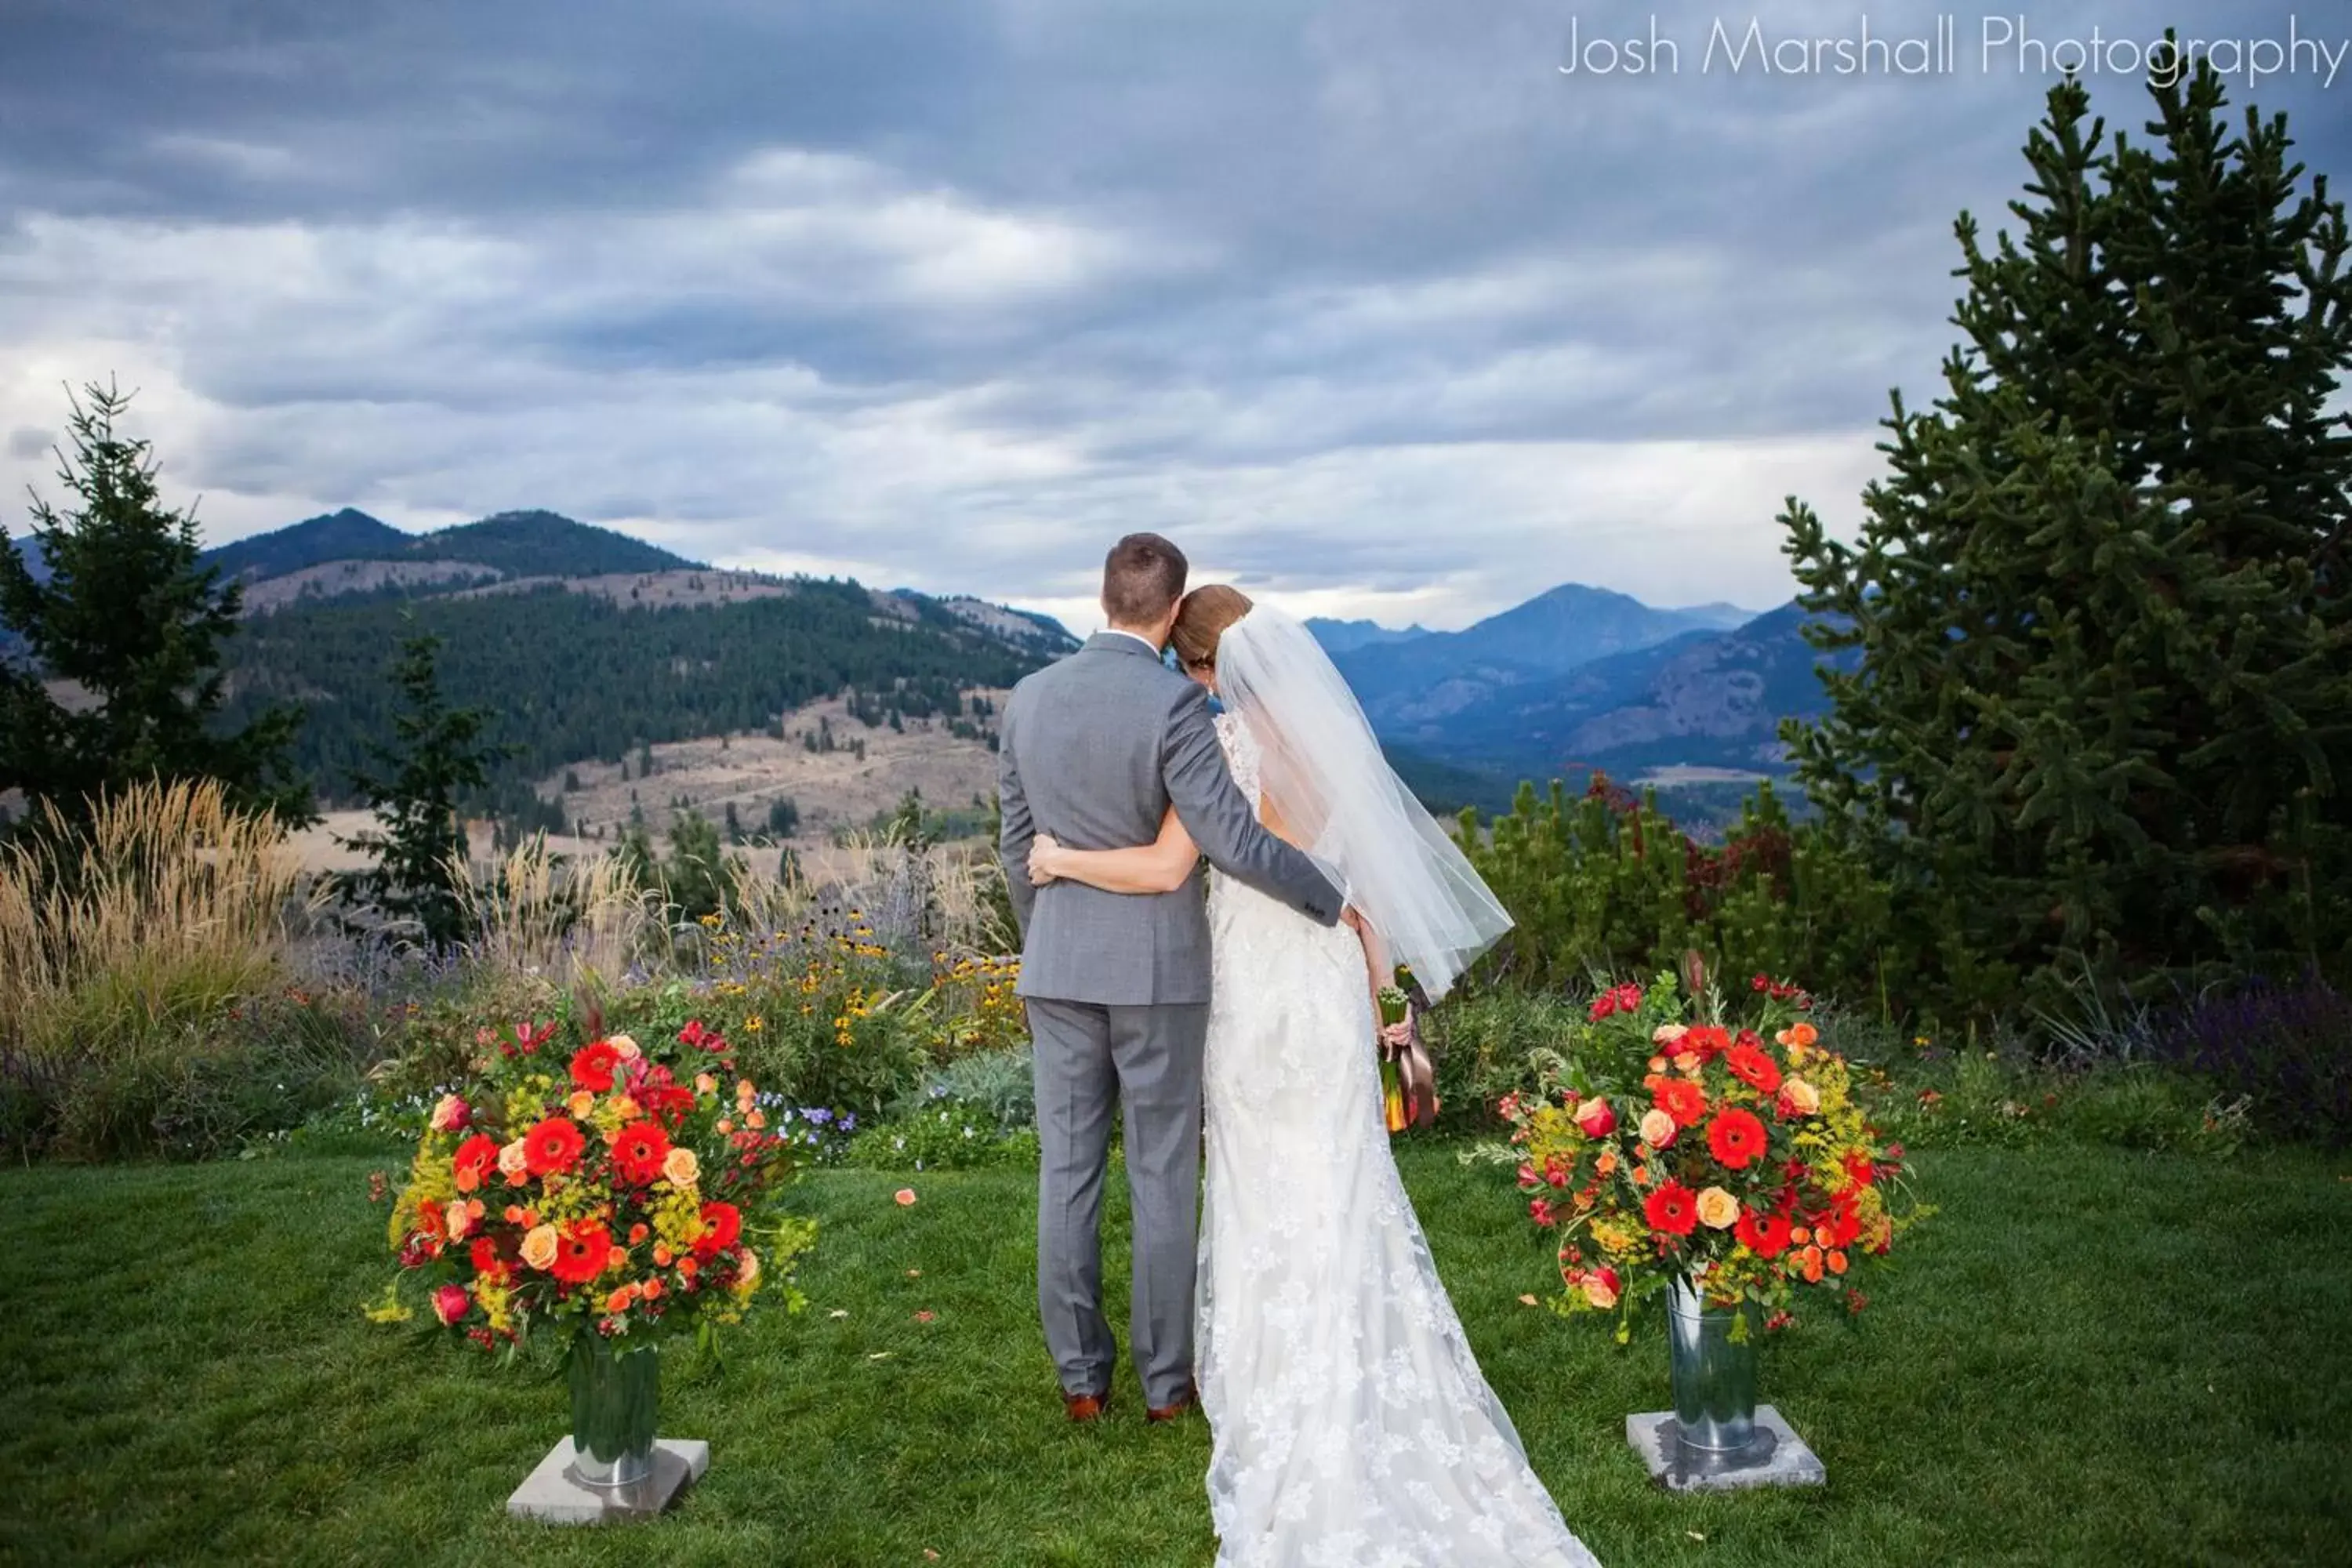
x,y
1370,305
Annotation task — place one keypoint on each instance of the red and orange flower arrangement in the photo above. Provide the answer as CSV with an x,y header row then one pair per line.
x,y
605,1189
1728,1153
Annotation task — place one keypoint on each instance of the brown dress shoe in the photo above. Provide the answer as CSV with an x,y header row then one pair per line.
x,y
1187,1400
1085,1407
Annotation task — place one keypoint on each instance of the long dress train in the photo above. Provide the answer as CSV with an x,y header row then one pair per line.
x,y
1351,1425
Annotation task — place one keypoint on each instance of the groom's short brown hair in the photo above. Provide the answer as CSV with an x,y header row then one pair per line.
x,y
1142,579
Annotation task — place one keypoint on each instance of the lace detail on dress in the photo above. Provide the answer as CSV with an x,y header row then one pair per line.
x,y
1349,1423
1241,754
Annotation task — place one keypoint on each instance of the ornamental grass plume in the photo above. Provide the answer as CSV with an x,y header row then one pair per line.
x,y
166,908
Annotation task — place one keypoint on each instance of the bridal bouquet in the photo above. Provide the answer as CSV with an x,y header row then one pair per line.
x,y
599,1186
1725,1152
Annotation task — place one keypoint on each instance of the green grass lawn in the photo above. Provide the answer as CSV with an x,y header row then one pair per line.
x,y
2090,1356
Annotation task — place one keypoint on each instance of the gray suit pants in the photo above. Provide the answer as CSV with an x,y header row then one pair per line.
x,y
1150,1058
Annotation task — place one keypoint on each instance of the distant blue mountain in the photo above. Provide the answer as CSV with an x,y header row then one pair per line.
x,y
1722,617
1346,636
1409,687
36,559
1705,699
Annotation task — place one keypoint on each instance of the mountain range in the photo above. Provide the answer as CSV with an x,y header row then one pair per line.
x,y
1581,678
587,645
1578,677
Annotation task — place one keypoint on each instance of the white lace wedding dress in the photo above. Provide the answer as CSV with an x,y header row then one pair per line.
x,y
1349,1423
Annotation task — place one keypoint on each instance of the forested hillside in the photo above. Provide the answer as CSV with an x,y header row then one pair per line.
x,y
571,679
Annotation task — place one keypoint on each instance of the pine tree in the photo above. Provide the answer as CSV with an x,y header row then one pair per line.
x,y
2098,722
132,615
420,874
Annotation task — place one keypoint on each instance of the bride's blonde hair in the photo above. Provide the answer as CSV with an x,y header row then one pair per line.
x,y
1202,619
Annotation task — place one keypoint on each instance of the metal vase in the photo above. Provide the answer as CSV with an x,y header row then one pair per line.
x,y
1715,1378
615,1403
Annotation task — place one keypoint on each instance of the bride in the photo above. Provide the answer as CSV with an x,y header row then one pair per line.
x,y
1349,1422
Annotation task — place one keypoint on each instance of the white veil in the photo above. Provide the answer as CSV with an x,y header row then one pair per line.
x,y
1322,770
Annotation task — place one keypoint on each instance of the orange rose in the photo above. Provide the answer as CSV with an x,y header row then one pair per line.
x,y
1657,1127
662,1255
624,1047
1718,1209
582,1104
1803,1097
513,1163
618,1302
681,1168
705,1084
539,1246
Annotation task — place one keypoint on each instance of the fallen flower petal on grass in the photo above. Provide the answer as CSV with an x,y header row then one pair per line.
x,y
880,1355
914,1274
925,1317
906,1196
1526,1301
838,1312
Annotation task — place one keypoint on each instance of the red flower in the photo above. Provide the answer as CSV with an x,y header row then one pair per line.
x,y
694,1033
639,1151
487,1261
1616,999
582,1253
551,1146
450,1303
1705,1041
431,1221
1539,1210
1841,1225
1673,1209
722,1226
1682,1100
1753,1068
1736,1138
1861,1170
1596,1119
592,1066
1766,1235
530,1038
475,1158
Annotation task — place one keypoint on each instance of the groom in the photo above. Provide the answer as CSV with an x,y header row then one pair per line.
x,y
1094,750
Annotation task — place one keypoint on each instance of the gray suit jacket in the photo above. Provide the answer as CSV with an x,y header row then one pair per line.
x,y
1094,750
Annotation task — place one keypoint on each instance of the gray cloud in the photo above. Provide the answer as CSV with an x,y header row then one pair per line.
x,y
1369,303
